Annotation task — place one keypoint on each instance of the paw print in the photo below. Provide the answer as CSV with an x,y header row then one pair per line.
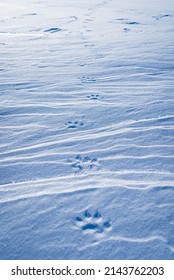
x,y
87,79
133,22
53,30
73,18
84,163
126,29
83,64
161,16
92,224
93,97
74,124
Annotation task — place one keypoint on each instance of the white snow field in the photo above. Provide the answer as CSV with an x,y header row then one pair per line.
x,y
87,129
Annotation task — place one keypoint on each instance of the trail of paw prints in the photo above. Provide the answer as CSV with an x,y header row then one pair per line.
x,y
102,3
92,224
128,23
74,124
161,16
132,24
82,164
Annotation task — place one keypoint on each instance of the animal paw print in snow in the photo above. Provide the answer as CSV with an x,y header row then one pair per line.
x,y
84,163
93,97
75,124
126,29
87,79
52,30
92,223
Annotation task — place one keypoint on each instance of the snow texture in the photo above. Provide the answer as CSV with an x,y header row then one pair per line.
x,y
86,123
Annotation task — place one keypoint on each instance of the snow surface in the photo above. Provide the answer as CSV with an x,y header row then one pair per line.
x,y
86,122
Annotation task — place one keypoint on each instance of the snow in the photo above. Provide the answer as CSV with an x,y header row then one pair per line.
x,y
86,123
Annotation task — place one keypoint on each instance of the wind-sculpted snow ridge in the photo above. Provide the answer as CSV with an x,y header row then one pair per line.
x,y
87,126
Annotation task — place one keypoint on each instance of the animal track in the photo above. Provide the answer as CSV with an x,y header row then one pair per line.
x,y
92,223
126,29
73,18
133,22
161,16
30,14
87,79
83,64
122,19
82,164
93,97
53,30
74,124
